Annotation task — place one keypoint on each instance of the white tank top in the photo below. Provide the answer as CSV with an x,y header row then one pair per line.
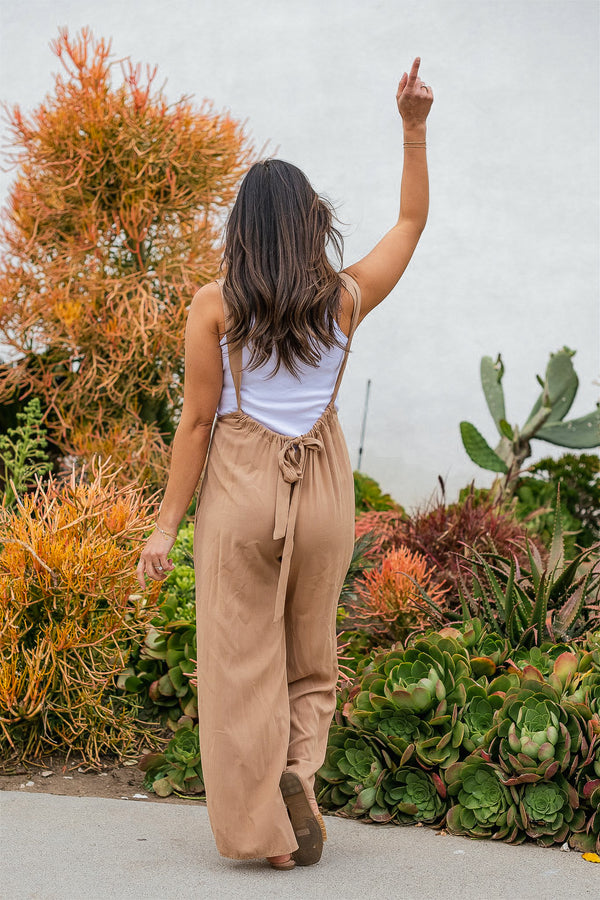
x,y
285,403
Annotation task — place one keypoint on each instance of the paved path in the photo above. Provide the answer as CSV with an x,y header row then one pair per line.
x,y
88,848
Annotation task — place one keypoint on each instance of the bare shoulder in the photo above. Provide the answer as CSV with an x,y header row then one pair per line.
x,y
206,308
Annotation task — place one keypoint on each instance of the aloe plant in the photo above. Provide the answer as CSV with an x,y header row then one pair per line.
x,y
545,421
555,601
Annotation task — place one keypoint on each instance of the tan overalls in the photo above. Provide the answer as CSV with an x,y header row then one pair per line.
x,y
274,534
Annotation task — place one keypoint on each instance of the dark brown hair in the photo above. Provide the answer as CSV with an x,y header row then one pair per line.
x,y
281,290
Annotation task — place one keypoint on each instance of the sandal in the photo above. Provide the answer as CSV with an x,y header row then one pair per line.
x,y
307,829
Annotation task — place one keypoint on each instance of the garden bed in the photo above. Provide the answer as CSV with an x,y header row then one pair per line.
x,y
74,778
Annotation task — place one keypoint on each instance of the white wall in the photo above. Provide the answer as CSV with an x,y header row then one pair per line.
x,y
509,260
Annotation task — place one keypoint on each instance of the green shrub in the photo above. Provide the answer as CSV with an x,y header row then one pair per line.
x,y
579,480
368,495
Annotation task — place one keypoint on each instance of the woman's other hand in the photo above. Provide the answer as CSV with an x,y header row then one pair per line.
x,y
414,98
153,560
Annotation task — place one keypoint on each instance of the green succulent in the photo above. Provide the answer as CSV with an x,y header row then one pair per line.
x,y
485,806
353,768
478,718
411,795
492,646
183,750
542,657
411,699
429,676
443,748
533,734
588,840
550,810
160,670
372,711
178,768
592,645
178,590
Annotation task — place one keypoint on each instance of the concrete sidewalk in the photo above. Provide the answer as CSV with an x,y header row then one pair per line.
x,y
71,848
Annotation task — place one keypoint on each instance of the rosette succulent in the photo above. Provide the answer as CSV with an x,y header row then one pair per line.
x,y
443,748
542,658
533,734
162,670
178,768
353,768
429,676
411,795
587,693
372,711
490,652
551,810
485,806
588,840
478,718
411,699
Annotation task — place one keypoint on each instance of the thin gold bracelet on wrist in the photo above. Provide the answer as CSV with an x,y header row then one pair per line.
x,y
415,144
162,530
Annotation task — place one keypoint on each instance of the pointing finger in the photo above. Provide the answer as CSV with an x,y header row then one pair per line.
x,y
413,72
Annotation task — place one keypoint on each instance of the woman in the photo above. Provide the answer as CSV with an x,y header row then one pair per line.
x,y
266,347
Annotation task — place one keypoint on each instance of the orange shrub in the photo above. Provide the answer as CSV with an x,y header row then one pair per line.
x,y
71,610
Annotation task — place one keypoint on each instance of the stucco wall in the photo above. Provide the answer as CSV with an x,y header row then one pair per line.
x,y
509,260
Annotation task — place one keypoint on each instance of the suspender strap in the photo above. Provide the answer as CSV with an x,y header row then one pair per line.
x,y
354,290
234,353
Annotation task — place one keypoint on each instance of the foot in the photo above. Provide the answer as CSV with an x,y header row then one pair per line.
x,y
280,860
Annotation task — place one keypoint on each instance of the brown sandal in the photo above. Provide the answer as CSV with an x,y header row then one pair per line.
x,y
307,828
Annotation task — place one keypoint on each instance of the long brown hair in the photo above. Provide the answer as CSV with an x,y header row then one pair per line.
x,y
281,290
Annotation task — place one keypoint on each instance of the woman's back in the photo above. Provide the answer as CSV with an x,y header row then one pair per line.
x,y
284,402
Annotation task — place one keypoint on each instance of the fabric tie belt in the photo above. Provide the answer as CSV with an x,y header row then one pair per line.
x,y
292,460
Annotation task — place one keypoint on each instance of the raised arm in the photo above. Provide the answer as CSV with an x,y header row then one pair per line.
x,y
379,271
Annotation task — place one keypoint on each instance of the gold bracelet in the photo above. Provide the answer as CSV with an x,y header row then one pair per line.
x,y
168,533
415,144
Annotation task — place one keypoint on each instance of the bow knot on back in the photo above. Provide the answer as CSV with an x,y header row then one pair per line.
x,y
292,457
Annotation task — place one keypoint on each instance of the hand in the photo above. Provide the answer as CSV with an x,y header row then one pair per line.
x,y
413,97
153,555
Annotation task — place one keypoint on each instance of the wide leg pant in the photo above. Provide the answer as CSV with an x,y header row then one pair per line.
x,y
266,611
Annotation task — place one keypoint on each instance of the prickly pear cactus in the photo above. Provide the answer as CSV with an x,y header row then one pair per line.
x,y
545,421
